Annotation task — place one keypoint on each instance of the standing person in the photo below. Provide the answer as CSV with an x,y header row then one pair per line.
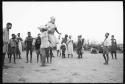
x,y
106,44
37,46
113,46
19,45
64,41
29,46
13,45
44,47
51,30
63,48
70,46
79,47
58,46
6,40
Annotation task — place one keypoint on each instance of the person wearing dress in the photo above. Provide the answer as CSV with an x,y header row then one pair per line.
x,y
6,40
106,44
70,46
113,47
19,45
51,30
58,47
44,47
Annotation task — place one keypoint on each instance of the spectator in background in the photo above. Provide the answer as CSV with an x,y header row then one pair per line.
x,y
70,46
64,42
58,47
29,46
37,46
19,47
13,45
106,44
113,46
79,46
6,40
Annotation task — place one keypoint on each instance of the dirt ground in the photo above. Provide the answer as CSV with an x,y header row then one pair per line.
x,y
89,69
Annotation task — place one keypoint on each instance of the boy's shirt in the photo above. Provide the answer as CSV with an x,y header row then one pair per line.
x,y
13,42
79,44
37,42
29,41
113,42
106,42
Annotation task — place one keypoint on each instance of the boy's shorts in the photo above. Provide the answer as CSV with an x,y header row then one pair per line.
x,y
105,50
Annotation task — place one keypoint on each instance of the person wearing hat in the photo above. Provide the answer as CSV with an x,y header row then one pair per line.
x,y
6,40
70,46
113,46
106,44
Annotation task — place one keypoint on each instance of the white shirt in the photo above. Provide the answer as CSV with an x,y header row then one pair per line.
x,y
107,42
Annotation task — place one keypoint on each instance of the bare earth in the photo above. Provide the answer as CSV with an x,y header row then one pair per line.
x,y
89,69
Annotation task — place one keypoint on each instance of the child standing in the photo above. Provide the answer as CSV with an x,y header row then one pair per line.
x,y
13,45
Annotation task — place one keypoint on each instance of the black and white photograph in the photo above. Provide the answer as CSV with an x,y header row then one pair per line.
x,y
62,42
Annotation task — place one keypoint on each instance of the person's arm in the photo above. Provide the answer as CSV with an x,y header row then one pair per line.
x,y
57,30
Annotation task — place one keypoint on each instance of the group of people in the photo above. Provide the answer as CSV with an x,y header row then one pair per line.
x,y
46,41
11,46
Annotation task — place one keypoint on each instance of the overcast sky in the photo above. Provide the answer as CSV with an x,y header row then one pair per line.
x,y
89,19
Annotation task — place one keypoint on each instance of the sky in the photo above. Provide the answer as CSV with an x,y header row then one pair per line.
x,y
89,19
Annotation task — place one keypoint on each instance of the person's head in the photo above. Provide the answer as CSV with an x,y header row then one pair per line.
x,y
38,35
106,35
112,36
66,35
52,19
70,36
18,34
9,25
29,33
13,35
79,37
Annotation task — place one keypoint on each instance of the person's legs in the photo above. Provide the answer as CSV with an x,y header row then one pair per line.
x,y
19,53
112,54
107,58
47,54
43,57
14,55
3,59
68,55
30,55
11,53
27,52
115,55
57,52
37,53
104,57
